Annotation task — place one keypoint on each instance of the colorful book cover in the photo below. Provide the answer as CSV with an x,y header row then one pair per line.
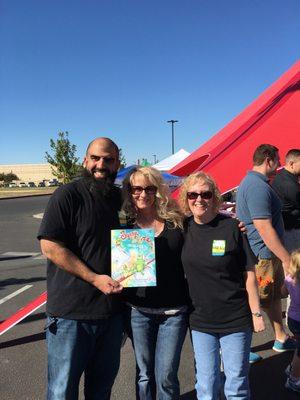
x,y
133,257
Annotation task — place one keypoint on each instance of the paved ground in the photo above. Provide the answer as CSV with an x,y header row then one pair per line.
x,y
18,228
23,366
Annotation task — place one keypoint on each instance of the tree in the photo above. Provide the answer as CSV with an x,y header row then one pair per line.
x,y
64,163
8,177
122,159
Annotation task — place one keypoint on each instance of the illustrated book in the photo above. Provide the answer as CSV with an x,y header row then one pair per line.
x,y
133,257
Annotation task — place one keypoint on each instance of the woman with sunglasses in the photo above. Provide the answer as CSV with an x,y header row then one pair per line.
x,y
219,267
158,315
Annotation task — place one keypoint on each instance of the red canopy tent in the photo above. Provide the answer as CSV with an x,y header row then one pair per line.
x,y
274,117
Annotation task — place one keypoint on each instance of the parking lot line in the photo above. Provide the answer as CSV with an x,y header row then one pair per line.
x,y
23,313
10,296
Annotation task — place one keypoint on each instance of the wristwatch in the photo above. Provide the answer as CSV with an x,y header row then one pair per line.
x,y
257,314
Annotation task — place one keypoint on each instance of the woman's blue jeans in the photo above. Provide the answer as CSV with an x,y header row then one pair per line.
x,y
157,341
235,349
75,347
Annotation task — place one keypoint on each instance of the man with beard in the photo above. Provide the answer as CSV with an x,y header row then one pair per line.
x,y
84,323
287,186
259,208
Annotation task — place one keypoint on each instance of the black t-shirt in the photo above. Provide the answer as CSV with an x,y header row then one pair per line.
x,y
171,290
82,221
287,187
215,257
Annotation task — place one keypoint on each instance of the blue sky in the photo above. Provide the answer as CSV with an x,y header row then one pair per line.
x,y
122,68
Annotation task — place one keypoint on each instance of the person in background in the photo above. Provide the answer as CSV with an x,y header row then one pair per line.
x,y
259,207
292,287
157,315
219,267
287,186
84,321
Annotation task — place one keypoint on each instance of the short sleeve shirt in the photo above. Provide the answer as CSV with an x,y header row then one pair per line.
x,y
287,187
171,289
294,291
74,217
257,200
215,257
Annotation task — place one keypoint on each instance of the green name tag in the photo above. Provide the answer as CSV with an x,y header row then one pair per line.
x,y
218,247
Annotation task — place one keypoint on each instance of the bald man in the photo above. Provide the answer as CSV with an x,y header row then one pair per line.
x,y
84,323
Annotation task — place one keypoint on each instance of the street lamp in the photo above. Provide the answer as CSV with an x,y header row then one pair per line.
x,y
172,121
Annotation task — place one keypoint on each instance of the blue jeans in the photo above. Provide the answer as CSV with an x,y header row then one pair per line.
x,y
89,346
157,341
235,348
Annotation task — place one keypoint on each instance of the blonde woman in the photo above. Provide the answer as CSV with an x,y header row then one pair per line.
x,y
219,267
292,287
158,315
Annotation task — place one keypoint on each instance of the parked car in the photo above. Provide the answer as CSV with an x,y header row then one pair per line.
x,y
31,184
12,185
41,184
22,184
53,182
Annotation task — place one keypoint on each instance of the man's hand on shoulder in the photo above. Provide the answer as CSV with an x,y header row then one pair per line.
x,y
106,284
242,226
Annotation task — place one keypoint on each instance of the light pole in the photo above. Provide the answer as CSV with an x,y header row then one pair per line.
x,y
172,121
154,155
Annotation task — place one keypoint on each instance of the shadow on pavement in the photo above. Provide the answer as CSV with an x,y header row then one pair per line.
x,y
15,281
189,396
26,339
34,317
267,378
6,258
263,346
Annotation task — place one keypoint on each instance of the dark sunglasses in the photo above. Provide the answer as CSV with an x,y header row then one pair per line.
x,y
140,189
204,195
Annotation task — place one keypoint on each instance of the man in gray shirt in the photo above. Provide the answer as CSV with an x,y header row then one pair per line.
x,y
259,208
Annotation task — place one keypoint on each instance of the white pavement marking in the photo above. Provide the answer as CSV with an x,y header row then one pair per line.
x,y
40,257
10,296
39,216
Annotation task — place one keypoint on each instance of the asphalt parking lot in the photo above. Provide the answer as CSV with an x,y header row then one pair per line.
x,y
23,356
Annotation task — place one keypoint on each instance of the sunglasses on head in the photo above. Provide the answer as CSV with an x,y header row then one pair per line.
x,y
206,195
140,189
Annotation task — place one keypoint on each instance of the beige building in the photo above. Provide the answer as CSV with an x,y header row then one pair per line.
x,y
29,172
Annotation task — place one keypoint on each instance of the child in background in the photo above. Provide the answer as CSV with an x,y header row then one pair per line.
x,y
292,287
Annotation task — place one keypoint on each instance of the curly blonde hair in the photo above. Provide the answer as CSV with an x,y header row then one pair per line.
x,y
166,207
192,180
294,267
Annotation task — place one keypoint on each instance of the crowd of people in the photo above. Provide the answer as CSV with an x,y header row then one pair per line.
x,y
212,278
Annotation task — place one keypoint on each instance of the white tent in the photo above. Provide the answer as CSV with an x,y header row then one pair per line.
x,y
171,161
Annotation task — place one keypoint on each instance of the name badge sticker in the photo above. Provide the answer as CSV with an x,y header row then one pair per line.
x,y
218,247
